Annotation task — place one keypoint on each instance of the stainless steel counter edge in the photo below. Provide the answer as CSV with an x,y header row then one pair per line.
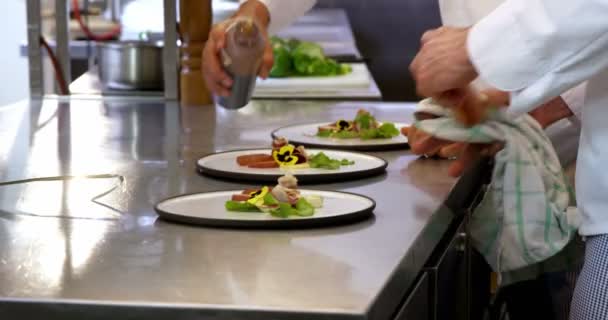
x,y
54,309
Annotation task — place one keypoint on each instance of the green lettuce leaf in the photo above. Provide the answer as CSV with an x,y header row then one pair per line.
x,y
345,134
364,121
387,130
304,208
241,206
283,211
322,161
269,200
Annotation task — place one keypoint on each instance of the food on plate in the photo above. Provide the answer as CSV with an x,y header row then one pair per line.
x,y
364,126
283,200
293,57
285,154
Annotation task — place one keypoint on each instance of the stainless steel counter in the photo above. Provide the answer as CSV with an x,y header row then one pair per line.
x,y
64,257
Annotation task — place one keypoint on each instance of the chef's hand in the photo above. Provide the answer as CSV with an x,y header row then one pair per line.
x,y
422,143
465,154
442,66
218,81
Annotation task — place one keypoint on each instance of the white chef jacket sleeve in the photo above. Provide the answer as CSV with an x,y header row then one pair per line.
x,y
538,49
285,12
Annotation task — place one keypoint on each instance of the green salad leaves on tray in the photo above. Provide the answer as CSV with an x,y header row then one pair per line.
x,y
282,201
293,57
364,126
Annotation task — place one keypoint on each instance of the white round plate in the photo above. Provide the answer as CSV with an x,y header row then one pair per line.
x,y
223,165
305,134
208,209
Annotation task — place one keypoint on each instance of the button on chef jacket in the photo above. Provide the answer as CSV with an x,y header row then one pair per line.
x,y
540,48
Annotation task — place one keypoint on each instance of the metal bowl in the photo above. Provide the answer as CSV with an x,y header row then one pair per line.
x,y
131,65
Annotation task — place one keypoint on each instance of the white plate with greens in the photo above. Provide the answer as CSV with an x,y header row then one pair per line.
x,y
223,165
209,209
306,135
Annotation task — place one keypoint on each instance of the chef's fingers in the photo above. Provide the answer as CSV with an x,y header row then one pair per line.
x,y
216,79
497,98
452,150
424,144
469,154
428,35
492,149
267,60
451,98
405,131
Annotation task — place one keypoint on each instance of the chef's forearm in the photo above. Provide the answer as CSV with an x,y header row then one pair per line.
x,y
575,99
551,112
538,49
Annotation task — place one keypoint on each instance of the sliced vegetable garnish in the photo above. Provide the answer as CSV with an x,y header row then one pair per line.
x,y
283,211
324,133
345,134
304,209
315,200
285,156
269,200
242,206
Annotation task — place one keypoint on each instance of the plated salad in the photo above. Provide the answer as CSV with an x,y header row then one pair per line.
x,y
287,155
364,126
283,200
293,57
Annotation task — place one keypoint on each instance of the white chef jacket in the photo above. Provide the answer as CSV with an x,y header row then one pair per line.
x,y
539,48
285,12
565,133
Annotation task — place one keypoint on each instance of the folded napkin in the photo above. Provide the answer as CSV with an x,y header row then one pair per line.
x,y
525,217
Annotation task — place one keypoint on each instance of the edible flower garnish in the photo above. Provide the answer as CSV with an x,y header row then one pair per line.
x,y
342,125
257,197
285,155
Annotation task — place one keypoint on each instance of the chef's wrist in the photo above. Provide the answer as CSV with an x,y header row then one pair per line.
x,y
256,10
471,71
551,112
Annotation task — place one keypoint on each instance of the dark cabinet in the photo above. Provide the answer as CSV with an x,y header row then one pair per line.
x,y
447,272
416,306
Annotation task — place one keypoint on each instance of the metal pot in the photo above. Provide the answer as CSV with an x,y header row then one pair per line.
x,y
131,65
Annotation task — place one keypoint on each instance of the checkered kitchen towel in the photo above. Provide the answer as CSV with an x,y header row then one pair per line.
x,y
524,218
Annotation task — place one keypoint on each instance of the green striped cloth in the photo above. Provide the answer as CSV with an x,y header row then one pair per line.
x,y
525,217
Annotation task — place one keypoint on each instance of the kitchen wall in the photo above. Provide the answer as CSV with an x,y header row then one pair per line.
x,y
13,76
388,33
